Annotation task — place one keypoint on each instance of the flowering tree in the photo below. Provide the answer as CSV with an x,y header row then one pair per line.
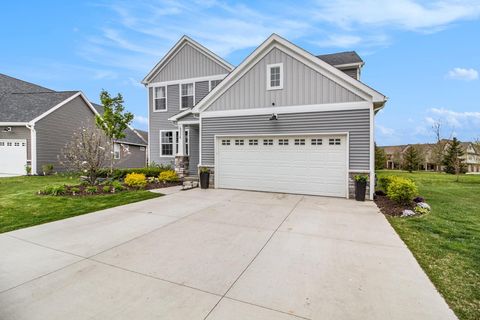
x,y
88,151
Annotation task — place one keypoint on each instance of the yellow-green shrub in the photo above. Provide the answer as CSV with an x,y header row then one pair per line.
x,y
136,180
401,190
383,182
168,176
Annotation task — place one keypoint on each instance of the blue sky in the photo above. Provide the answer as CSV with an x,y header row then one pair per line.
x,y
425,56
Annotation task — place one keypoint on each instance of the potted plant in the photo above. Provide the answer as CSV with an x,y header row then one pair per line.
x,y
204,178
360,187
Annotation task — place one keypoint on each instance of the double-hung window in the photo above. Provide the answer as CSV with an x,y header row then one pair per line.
x,y
186,96
159,99
169,143
275,76
116,151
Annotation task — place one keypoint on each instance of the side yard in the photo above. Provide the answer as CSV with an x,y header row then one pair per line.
x,y
21,207
446,242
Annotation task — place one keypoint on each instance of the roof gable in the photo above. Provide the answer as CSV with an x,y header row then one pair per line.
x,y
275,41
187,48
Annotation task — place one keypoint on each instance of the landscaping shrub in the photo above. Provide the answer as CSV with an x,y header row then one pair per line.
x,y
401,190
91,189
384,182
147,171
53,190
117,186
136,180
168,176
107,189
47,169
75,190
420,210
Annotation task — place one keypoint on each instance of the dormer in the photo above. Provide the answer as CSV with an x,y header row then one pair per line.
x,y
348,62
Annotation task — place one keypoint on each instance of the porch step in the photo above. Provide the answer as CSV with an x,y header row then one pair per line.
x,y
190,183
191,178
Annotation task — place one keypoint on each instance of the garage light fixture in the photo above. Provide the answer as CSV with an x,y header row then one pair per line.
x,y
7,129
273,117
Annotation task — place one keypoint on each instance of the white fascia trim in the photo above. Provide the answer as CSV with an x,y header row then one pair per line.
x,y
275,41
288,109
188,122
176,48
129,143
14,124
349,65
180,115
189,80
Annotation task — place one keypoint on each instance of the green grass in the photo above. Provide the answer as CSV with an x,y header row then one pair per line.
x,y
446,242
21,207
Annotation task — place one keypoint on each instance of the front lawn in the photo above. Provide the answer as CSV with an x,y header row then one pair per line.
x,y
21,207
446,242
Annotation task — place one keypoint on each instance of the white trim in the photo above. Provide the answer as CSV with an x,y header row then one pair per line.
x,y
358,171
349,65
153,98
130,143
275,41
198,79
372,156
269,75
173,143
341,133
180,96
33,147
180,115
148,128
200,140
289,109
14,124
177,48
187,122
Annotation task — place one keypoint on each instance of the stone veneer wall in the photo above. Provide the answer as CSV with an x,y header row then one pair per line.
x,y
351,185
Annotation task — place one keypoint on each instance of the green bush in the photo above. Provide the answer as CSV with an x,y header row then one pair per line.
x,y
361,178
168,176
136,180
122,173
47,169
75,190
91,189
384,182
401,190
107,188
117,186
421,210
53,190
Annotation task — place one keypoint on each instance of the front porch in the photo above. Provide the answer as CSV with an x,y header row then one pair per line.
x,y
187,156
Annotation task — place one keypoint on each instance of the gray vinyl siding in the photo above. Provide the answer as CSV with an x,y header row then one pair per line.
x,y
351,72
189,63
159,121
301,86
356,122
56,130
194,151
201,90
133,158
18,132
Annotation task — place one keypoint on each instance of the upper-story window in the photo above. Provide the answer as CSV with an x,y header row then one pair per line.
x,y
160,99
214,83
186,96
275,76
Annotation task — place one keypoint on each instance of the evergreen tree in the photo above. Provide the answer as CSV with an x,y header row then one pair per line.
x,y
453,161
411,159
380,158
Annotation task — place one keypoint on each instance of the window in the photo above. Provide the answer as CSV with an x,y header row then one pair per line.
x,y
317,142
116,151
9,144
214,83
225,142
17,144
23,144
2,143
159,99
275,76
253,142
283,142
186,143
186,96
334,141
239,142
268,142
299,142
167,146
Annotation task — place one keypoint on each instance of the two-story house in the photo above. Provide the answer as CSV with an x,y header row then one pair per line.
x,y
283,120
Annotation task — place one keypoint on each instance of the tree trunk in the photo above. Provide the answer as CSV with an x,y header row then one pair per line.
x,y
112,156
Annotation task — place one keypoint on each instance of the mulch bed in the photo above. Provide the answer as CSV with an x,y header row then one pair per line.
x,y
389,207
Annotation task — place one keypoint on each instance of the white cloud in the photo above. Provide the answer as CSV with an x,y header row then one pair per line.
x,y
140,119
457,119
463,74
384,130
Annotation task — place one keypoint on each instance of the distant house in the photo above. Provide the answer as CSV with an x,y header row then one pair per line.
x,y
37,122
427,151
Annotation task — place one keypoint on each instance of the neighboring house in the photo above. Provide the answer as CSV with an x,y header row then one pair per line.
x,y
284,120
37,122
395,154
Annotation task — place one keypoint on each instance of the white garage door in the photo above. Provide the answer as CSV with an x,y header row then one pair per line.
x,y
312,164
13,156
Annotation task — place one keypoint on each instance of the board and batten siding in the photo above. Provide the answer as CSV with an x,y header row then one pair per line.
x,y
356,122
18,132
201,90
57,129
189,63
301,86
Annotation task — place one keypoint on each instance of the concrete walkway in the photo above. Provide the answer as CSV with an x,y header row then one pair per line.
x,y
216,254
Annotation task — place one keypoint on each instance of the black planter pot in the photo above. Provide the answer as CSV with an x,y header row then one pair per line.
x,y
360,190
204,180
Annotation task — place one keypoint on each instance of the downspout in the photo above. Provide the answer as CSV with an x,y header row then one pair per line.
x,y
33,146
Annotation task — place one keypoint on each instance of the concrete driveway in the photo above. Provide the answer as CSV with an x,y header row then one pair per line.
x,y
216,254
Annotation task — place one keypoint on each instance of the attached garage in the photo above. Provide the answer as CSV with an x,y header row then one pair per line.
x,y
313,164
13,156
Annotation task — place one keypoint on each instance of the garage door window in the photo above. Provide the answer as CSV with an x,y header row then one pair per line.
x,y
334,141
239,142
253,142
317,142
299,142
225,142
283,142
268,142
9,144
2,144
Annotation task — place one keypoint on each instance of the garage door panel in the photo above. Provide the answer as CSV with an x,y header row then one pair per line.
x,y
306,165
13,156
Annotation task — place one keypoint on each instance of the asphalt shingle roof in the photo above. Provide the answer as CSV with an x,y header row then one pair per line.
x,y
339,58
9,84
